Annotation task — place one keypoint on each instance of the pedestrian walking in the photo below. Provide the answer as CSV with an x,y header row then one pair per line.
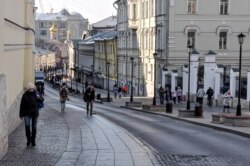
x,y
227,100
115,91
168,94
64,95
89,97
29,110
210,94
120,91
174,95
124,90
161,92
200,94
179,94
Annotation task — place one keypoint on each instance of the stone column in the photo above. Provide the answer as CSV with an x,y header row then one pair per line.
x,y
218,73
194,63
163,81
185,80
248,86
173,79
209,70
233,74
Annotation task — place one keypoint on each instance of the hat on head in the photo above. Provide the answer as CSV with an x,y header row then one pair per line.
x,y
30,85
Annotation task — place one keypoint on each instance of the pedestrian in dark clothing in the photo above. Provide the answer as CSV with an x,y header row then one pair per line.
x,y
89,97
209,94
40,89
119,91
168,94
161,92
29,110
115,90
64,95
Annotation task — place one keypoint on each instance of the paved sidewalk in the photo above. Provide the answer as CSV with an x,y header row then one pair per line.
x,y
205,121
72,138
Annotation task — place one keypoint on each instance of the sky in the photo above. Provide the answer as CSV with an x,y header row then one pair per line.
x,y
94,10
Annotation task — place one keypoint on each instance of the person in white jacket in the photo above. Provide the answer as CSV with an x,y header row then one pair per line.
x,y
227,100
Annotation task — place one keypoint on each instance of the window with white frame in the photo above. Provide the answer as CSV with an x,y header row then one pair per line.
x,y
191,38
146,9
223,40
152,10
191,6
134,10
223,7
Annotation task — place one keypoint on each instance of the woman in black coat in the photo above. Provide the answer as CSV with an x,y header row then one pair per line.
x,y
29,111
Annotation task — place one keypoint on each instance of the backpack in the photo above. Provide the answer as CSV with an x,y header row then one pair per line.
x,y
63,93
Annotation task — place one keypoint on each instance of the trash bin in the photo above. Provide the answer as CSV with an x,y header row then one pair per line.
x,y
198,110
169,107
98,96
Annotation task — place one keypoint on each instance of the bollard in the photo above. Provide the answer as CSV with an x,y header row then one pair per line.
x,y
169,107
198,110
98,96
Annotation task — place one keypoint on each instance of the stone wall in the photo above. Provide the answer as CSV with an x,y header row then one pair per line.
x,y
9,117
3,117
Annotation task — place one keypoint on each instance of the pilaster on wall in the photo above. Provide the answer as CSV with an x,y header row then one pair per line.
x,y
3,117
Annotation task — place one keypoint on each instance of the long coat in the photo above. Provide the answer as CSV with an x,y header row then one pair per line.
x,y
29,104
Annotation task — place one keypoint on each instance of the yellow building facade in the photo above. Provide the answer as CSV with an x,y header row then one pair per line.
x,y
17,20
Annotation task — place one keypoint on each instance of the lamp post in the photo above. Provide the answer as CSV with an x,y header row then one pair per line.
x,y
138,88
189,46
154,98
241,37
108,64
132,89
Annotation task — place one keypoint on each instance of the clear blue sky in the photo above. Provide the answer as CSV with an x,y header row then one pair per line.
x,y
94,10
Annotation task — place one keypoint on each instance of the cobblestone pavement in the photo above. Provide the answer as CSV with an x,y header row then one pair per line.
x,y
71,138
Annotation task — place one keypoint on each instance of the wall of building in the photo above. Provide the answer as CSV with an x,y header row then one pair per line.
x,y
16,45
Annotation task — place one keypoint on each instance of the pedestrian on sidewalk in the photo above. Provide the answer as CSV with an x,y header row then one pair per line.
x,y
161,92
64,95
120,91
210,94
168,95
174,95
179,94
227,100
200,94
89,97
29,110
115,91
124,90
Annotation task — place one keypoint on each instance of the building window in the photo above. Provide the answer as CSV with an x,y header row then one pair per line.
x,y
43,32
223,7
146,9
142,11
191,38
62,25
134,11
223,40
191,6
42,25
152,10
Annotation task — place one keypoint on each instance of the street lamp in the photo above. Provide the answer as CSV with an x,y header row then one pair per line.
x,y
154,98
108,64
189,46
241,37
132,68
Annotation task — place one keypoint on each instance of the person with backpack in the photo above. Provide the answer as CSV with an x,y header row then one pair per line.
x,y
29,110
64,95
89,97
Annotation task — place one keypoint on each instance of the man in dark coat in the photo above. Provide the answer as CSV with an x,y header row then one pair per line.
x,y
89,97
29,110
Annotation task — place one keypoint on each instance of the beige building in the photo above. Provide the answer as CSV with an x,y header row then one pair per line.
x,y
136,39
16,62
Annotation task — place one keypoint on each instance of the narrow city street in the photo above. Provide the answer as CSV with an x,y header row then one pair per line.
x,y
72,138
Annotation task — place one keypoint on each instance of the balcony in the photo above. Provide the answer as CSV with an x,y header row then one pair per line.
x,y
133,23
